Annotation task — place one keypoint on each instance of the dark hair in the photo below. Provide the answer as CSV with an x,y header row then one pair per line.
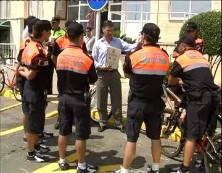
x,y
68,22
108,23
89,28
31,24
28,19
190,26
56,18
40,26
151,32
74,30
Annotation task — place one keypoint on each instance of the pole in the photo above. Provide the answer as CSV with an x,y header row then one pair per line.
x,y
98,15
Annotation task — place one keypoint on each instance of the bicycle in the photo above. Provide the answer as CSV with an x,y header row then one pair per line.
x,y
9,82
93,105
209,146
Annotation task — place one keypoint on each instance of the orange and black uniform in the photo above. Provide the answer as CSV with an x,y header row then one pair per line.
x,y
147,67
75,70
195,72
20,79
33,105
61,43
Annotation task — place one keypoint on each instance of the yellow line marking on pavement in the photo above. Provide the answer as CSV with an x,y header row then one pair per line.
x,y
54,167
108,168
6,132
9,107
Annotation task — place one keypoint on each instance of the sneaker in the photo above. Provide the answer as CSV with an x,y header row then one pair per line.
x,y
47,135
41,141
89,169
37,157
42,149
149,169
63,166
121,128
177,170
117,171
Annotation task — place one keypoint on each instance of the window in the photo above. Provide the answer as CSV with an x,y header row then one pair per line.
x,y
73,13
137,10
5,9
183,9
60,9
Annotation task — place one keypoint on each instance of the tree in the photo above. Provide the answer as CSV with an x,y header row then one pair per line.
x,y
209,25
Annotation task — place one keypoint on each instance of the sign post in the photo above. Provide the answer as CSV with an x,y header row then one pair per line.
x,y
97,5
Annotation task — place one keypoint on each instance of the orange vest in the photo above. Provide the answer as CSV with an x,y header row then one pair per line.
x,y
73,59
150,60
63,42
192,59
31,51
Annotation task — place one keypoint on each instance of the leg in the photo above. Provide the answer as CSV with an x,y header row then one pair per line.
x,y
116,97
188,151
62,144
156,150
24,122
81,150
32,140
129,154
102,94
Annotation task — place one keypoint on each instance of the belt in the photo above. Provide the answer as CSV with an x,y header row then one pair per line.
x,y
115,70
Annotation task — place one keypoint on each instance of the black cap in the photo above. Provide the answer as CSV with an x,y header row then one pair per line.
x,y
74,29
187,39
151,29
190,26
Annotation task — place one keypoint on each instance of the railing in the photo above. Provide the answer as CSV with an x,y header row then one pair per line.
x,y
8,52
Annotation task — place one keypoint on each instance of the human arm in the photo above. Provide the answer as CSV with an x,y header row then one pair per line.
x,y
127,66
126,47
175,52
176,74
55,52
29,74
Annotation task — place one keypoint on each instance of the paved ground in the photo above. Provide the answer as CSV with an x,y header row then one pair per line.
x,y
104,149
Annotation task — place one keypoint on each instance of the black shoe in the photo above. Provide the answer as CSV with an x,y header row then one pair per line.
x,y
47,135
87,170
121,128
42,149
57,126
63,166
149,170
36,157
101,128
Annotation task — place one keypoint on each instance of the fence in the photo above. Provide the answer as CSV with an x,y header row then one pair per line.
x,y
8,52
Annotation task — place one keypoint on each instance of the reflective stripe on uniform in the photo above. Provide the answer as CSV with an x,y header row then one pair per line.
x,y
149,71
194,66
73,70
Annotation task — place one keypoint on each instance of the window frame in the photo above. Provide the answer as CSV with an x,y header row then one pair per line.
x,y
187,14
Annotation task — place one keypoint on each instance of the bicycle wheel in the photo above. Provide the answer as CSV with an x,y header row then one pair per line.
x,y
17,93
2,81
172,144
213,165
93,105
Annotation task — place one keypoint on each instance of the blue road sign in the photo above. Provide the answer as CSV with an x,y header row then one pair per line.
x,y
97,5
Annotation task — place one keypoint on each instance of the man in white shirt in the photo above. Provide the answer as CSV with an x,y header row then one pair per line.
x,y
89,39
